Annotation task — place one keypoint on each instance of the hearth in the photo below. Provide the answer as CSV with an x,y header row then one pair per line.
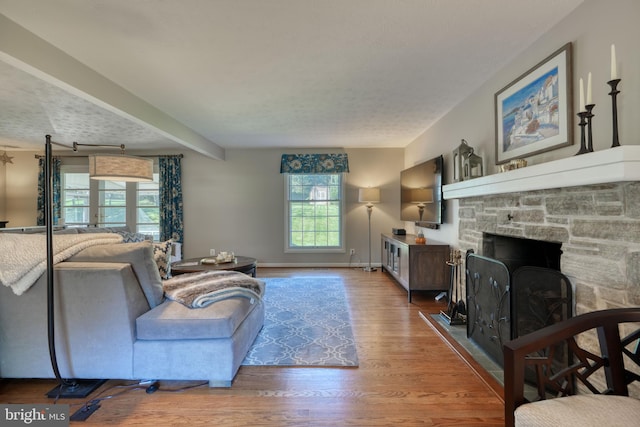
x,y
516,287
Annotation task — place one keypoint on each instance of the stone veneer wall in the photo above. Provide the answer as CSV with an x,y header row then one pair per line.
x,y
598,226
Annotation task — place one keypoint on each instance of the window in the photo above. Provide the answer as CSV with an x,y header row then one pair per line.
x,y
148,208
314,212
110,203
75,198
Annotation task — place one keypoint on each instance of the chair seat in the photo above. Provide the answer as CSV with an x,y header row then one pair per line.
x,y
582,410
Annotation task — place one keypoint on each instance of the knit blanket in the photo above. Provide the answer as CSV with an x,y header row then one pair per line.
x,y
197,290
23,257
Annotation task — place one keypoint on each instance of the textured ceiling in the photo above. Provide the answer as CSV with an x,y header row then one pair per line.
x,y
31,108
278,73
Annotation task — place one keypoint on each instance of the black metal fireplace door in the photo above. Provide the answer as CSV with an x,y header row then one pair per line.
x,y
502,306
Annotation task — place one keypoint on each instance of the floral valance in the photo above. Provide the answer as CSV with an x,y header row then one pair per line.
x,y
314,163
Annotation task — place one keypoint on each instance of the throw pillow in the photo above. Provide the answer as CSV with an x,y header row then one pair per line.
x,y
129,237
162,256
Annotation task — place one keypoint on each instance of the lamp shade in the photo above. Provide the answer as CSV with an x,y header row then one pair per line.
x,y
422,195
369,195
120,168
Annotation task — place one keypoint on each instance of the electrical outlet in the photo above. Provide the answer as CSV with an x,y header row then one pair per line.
x,y
212,252
352,251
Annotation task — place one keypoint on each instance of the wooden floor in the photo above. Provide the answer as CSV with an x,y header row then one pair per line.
x,y
408,376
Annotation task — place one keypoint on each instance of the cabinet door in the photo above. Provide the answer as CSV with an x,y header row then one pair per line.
x,y
403,264
386,252
393,257
429,268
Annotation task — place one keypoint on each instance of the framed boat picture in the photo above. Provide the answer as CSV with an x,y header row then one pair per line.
x,y
533,113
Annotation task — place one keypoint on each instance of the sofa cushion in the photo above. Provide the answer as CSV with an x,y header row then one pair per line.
x,y
171,320
139,255
580,410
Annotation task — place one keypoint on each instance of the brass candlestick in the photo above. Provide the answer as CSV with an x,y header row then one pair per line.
x,y
582,124
614,103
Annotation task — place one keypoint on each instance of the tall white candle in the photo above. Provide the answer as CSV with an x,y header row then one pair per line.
x,y
581,108
614,63
589,89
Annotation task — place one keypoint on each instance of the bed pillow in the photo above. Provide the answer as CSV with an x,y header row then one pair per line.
x,y
162,256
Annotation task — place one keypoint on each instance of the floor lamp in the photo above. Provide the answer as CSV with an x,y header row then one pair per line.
x,y
369,196
123,168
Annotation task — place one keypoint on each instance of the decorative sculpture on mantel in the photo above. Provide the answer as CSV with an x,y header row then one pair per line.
x,y
472,167
466,165
459,156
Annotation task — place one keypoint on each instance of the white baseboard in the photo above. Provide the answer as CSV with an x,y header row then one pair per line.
x,y
316,265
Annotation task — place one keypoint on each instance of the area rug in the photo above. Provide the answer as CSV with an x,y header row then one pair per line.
x,y
307,323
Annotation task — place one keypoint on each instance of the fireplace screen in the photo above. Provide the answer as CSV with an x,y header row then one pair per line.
x,y
502,305
540,297
488,304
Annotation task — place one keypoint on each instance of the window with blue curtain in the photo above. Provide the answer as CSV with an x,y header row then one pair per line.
x,y
170,196
314,163
315,201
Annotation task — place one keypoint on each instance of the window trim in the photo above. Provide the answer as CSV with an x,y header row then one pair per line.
x,y
287,223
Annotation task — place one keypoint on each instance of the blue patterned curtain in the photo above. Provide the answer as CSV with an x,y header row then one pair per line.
x,y
171,218
55,174
314,163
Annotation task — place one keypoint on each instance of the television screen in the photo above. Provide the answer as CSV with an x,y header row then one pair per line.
x,y
421,193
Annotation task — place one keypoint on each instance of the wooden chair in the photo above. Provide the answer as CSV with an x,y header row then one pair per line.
x,y
595,382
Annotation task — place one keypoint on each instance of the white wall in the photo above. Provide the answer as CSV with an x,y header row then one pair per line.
x,y
21,190
591,28
238,205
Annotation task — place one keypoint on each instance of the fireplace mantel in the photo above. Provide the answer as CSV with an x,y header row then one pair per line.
x,y
617,164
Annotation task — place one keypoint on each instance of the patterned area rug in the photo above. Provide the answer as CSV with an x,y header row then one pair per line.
x,y
306,324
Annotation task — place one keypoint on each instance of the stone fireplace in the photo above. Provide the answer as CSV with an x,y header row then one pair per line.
x,y
590,204
597,225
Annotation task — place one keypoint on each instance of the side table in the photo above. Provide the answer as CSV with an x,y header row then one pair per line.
x,y
243,264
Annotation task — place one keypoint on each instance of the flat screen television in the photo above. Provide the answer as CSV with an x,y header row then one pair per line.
x,y
421,193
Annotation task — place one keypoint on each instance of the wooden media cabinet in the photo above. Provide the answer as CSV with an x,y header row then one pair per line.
x,y
417,267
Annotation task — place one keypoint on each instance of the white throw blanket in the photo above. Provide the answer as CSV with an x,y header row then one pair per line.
x,y
23,257
197,290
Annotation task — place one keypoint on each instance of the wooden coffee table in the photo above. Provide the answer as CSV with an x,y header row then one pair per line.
x,y
242,264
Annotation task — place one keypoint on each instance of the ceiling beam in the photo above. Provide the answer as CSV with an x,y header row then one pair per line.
x,y
32,54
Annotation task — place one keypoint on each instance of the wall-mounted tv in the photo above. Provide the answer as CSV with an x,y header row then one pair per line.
x,y
421,193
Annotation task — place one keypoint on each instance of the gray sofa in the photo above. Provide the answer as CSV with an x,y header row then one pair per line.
x,y
113,322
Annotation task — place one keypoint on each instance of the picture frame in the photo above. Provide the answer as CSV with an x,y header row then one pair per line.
x,y
533,114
